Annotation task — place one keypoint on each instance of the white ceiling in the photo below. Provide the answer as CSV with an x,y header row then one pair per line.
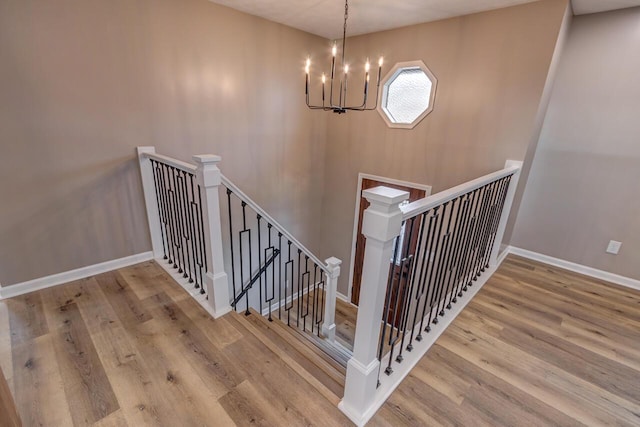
x,y
325,17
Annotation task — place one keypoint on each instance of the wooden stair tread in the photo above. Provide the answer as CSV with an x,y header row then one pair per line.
x,y
306,344
315,370
325,350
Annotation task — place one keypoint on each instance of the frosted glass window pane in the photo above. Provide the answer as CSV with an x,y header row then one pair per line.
x,y
408,95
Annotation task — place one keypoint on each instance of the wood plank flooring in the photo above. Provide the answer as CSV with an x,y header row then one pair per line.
x,y
538,346
131,348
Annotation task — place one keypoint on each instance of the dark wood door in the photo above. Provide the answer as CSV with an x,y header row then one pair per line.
x,y
414,194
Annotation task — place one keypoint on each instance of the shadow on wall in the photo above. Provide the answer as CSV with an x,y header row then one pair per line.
x,y
83,228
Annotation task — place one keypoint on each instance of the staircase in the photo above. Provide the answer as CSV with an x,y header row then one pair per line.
x,y
423,262
231,255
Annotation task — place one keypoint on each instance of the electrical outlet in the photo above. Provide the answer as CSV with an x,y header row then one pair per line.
x,y
614,247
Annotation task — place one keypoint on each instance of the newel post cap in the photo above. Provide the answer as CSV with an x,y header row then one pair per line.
x,y
206,159
148,149
385,197
208,169
382,220
333,265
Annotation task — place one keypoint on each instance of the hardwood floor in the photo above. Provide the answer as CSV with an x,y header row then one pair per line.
x,y
537,346
130,347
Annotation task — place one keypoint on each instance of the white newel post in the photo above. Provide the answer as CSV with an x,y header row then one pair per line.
x,y
216,282
504,216
150,200
331,280
381,225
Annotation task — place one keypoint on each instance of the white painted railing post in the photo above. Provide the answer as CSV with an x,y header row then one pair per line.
x,y
216,281
150,200
381,224
506,209
331,280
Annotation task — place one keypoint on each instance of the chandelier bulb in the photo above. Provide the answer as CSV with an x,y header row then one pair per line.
x,y
324,78
380,61
346,68
334,50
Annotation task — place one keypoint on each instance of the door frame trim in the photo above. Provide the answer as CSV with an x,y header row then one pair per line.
x,y
354,234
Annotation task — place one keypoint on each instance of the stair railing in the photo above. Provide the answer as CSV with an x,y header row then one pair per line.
x,y
218,244
183,211
296,286
423,263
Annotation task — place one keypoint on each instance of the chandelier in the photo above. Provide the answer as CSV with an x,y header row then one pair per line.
x,y
341,106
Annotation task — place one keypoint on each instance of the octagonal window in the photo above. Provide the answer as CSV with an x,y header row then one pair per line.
x,y
408,93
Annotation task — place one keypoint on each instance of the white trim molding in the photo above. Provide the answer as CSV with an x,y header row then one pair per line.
x,y
578,268
71,275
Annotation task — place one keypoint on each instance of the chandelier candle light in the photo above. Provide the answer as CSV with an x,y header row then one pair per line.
x,y
341,106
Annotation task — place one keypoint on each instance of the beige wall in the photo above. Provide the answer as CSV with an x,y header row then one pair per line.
x,y
83,82
584,186
491,69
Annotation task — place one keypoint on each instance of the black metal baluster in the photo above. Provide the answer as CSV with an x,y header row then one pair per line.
x,y
472,228
492,223
406,284
315,296
472,196
289,271
203,246
233,268
280,282
163,199
167,192
248,234
488,227
389,290
447,258
453,242
423,256
408,298
442,240
462,231
269,300
301,297
154,168
184,227
479,230
176,213
323,301
299,288
259,218
189,232
197,235
499,209
427,286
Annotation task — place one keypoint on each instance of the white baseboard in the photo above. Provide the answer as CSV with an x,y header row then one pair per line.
x,y
343,297
70,276
578,268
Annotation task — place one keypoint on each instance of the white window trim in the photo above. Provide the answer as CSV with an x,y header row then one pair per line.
x,y
383,89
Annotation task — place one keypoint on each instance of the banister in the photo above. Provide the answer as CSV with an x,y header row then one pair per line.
x,y
179,164
235,190
425,204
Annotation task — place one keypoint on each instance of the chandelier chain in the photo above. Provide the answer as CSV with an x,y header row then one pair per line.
x,y
344,30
